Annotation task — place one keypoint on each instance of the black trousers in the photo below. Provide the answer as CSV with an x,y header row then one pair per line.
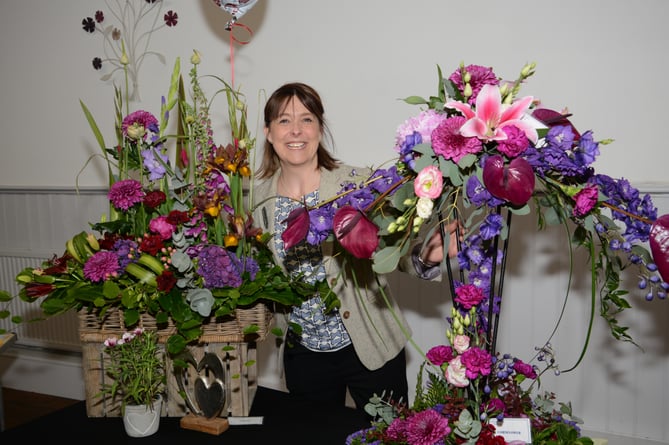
x,y
325,376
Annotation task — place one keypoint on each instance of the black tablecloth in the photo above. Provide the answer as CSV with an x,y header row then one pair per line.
x,y
285,420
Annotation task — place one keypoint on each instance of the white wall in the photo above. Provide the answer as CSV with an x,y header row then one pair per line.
x,y
605,60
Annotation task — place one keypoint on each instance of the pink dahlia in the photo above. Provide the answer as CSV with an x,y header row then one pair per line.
x,y
449,143
101,266
479,76
427,428
136,124
125,194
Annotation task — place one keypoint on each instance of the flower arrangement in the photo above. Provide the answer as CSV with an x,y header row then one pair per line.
x,y
473,157
136,368
179,243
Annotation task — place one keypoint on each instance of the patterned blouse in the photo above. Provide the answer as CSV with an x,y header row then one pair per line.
x,y
320,331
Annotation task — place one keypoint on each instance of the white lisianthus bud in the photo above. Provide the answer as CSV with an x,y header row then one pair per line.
x,y
504,90
467,321
528,69
457,325
392,227
424,207
409,201
195,58
401,220
468,90
135,131
467,78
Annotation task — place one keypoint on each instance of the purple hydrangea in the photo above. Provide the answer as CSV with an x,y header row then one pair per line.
x,y
219,267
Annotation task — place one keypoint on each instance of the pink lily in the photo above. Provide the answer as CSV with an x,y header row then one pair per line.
x,y
491,116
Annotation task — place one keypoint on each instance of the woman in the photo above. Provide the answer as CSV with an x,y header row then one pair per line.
x,y
360,345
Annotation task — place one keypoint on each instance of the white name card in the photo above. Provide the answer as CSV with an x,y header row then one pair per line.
x,y
516,429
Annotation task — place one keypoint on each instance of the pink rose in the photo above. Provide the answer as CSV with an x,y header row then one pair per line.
x,y
428,183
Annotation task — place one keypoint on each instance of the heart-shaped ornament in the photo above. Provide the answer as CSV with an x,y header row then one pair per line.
x,y
210,396
513,183
206,397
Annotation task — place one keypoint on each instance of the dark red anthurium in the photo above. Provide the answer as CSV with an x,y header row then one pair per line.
x,y
659,245
551,118
297,227
355,232
513,183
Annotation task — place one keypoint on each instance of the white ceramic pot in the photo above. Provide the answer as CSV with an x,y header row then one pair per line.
x,y
142,420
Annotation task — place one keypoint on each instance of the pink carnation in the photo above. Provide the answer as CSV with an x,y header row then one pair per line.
x,y
468,296
439,355
477,362
516,142
585,200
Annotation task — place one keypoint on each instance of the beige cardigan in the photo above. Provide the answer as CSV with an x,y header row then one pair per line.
x,y
376,334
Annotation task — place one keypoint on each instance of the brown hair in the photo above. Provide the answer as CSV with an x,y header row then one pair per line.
x,y
275,106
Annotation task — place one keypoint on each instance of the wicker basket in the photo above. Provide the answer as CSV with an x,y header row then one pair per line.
x,y
223,336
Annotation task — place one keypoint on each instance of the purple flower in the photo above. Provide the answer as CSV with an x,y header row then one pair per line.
x,y
491,226
479,195
125,194
101,266
155,167
125,250
219,267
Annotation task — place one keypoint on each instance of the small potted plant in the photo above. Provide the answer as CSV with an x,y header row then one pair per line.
x,y
137,374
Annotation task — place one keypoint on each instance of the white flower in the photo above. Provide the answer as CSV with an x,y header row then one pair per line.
x,y
424,207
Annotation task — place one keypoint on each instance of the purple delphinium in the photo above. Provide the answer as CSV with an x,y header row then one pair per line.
x,y
621,194
479,195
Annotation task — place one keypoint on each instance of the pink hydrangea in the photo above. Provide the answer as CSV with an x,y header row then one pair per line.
x,y
424,123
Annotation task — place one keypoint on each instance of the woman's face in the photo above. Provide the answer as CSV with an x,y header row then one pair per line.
x,y
295,135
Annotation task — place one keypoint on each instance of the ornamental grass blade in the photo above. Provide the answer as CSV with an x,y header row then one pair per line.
x,y
513,183
297,227
659,245
355,232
